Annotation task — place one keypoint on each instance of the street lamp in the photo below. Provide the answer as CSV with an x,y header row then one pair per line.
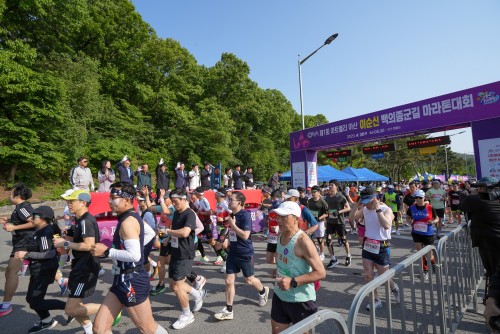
x,y
446,155
300,62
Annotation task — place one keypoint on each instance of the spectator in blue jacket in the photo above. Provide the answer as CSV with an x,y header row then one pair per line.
x,y
124,171
180,176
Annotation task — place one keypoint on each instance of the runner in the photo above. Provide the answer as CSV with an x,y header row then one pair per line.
x,y
423,216
337,206
319,209
376,253
22,228
131,281
453,201
298,266
204,212
240,256
437,196
84,267
222,213
43,266
409,200
391,199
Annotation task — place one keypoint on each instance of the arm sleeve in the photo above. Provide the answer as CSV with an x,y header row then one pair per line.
x,y
42,255
131,253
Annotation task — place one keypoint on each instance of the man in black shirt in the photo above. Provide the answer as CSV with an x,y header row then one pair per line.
x,y
249,178
84,267
205,175
21,226
182,254
162,178
237,182
303,199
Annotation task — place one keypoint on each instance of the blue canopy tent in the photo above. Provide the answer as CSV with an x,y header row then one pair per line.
x,y
358,176
372,176
325,173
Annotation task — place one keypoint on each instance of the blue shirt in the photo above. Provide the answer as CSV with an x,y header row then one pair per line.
x,y
241,247
308,216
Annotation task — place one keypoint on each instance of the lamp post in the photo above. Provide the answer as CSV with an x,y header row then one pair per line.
x,y
446,155
300,62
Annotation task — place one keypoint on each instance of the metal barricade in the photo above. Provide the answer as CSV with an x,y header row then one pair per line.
x,y
311,322
420,309
462,272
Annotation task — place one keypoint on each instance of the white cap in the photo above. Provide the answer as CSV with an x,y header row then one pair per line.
x,y
288,208
292,193
68,192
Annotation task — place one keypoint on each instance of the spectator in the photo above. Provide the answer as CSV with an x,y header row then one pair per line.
x,y
180,176
228,178
194,177
143,177
249,184
124,171
81,176
274,181
106,176
162,178
237,182
205,175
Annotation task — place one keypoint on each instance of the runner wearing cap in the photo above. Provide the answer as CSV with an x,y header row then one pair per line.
x,y
437,197
423,215
273,229
130,285
43,264
298,266
21,226
391,199
84,267
319,209
453,202
376,253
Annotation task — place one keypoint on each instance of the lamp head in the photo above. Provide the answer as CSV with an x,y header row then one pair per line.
x,y
331,38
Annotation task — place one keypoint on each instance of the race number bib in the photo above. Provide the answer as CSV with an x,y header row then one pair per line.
x,y
420,227
232,236
174,242
455,201
333,214
315,214
272,238
372,246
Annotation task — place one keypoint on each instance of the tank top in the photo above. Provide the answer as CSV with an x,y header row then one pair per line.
x,y
421,216
118,244
373,228
288,264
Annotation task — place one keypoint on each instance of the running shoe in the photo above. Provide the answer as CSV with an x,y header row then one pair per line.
x,y
158,289
426,275
219,261
203,260
347,261
41,326
154,273
5,310
378,304
117,319
322,257
223,268
197,253
198,303
353,231
101,272
263,298
395,294
397,232
224,315
199,283
332,263
183,321
69,320
64,286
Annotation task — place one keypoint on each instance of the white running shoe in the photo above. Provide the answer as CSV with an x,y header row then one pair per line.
x,y
198,303
223,268
322,257
263,298
199,283
224,314
395,294
183,321
378,304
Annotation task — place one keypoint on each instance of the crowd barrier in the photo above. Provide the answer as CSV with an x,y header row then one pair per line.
x,y
433,303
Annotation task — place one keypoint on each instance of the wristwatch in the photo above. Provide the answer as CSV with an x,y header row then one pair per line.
x,y
378,210
66,244
293,283
106,252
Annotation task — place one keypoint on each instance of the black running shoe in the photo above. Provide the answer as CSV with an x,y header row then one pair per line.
x,y
41,326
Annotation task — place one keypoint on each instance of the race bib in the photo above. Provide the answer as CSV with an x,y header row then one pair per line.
x,y
233,236
420,227
372,246
272,238
333,214
174,242
455,201
314,213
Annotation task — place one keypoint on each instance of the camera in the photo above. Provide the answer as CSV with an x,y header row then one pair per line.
x,y
491,186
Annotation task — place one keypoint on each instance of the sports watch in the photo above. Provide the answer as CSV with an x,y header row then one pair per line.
x,y
293,283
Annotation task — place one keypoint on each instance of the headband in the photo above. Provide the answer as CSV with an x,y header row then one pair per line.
x,y
178,196
218,193
121,193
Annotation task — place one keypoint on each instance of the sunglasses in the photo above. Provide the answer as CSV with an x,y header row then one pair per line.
x,y
85,161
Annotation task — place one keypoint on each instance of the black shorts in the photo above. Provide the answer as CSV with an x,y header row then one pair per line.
x,y
222,235
207,231
147,250
286,312
454,207
82,279
440,213
164,249
133,291
241,263
424,239
336,228
272,248
179,269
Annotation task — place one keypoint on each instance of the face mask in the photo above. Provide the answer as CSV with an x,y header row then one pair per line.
x,y
390,191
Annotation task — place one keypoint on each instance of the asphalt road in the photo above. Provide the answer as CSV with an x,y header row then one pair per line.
x,y
336,293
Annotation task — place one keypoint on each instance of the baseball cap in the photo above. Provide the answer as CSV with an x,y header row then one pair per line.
x,y
44,212
292,193
367,195
288,208
379,189
436,181
315,188
390,186
80,195
419,193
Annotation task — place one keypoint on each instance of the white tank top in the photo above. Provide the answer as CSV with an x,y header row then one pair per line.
x,y
374,230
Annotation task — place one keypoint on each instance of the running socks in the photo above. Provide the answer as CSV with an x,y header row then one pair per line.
x,y
201,248
195,293
222,253
160,330
88,328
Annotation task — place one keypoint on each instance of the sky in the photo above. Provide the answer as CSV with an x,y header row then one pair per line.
x,y
388,53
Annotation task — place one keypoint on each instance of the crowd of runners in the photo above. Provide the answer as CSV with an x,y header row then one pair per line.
x,y
180,222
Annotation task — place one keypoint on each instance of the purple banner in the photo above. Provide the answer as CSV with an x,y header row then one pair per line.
x,y
440,113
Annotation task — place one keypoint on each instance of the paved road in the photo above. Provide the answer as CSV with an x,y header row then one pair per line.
x,y
336,293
